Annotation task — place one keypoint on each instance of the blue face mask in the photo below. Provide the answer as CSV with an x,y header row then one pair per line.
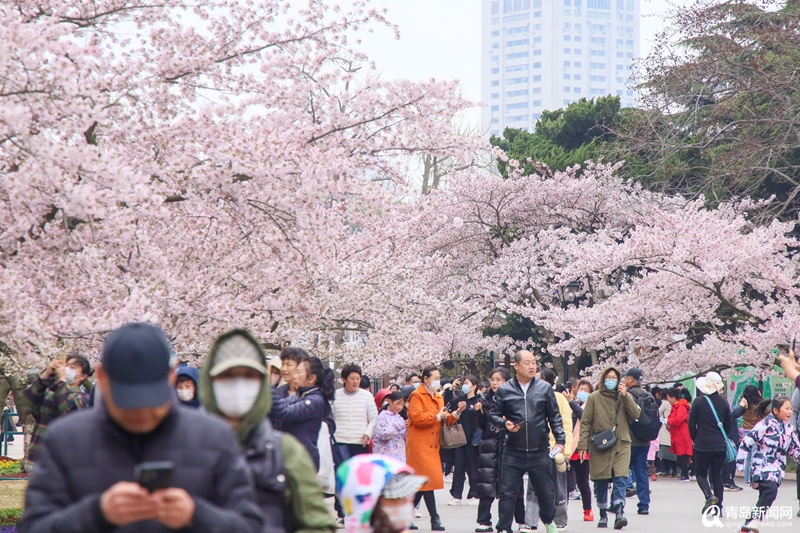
x,y
611,384
465,389
582,396
416,385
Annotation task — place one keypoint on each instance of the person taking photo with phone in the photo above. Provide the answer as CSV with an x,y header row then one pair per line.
x,y
55,392
528,409
83,480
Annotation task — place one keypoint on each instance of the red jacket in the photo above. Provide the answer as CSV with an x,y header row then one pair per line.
x,y
679,428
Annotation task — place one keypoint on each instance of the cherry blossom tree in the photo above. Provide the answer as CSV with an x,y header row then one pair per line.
x,y
686,287
213,165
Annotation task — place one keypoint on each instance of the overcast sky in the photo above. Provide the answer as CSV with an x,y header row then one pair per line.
x,y
441,39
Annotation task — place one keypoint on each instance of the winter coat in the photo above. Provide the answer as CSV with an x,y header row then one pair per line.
x,y
422,439
390,435
796,410
678,421
599,413
703,428
301,416
287,490
84,454
193,374
663,413
771,440
355,414
489,452
566,418
468,420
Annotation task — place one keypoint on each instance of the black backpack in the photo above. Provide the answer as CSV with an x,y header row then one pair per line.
x,y
647,426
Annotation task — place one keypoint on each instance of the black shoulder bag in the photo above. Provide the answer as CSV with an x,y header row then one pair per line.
x,y
605,440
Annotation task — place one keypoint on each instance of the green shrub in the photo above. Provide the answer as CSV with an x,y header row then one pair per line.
x,y
10,516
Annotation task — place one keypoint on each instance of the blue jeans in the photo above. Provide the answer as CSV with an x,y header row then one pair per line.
x,y
617,493
639,471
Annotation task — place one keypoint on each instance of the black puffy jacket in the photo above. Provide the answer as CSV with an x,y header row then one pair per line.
x,y
538,407
85,453
301,416
491,448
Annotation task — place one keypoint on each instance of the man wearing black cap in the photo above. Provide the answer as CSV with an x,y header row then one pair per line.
x,y
83,481
640,447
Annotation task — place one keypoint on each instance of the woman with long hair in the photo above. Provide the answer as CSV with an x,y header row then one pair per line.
x,y
678,424
302,415
746,410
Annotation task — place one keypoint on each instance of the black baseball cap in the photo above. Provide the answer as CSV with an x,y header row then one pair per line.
x,y
635,373
136,359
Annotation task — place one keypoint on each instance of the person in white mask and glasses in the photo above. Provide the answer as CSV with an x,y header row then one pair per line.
x,y
235,386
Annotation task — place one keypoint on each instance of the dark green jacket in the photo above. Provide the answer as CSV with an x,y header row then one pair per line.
x,y
303,501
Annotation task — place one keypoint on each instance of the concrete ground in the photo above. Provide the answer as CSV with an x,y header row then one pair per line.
x,y
675,508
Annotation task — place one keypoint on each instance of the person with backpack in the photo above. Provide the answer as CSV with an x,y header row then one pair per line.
x,y
709,423
643,431
235,386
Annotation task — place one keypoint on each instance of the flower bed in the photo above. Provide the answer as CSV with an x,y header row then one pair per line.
x,y
9,518
11,468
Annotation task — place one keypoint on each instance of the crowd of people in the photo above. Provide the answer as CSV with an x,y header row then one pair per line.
x,y
248,443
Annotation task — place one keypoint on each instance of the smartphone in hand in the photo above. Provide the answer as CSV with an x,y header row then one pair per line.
x,y
154,475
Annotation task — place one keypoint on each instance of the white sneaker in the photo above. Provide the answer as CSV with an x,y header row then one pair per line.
x,y
484,529
752,527
448,478
525,528
473,501
454,502
417,514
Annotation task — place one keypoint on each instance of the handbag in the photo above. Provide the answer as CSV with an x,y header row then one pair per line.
x,y
605,440
452,437
730,448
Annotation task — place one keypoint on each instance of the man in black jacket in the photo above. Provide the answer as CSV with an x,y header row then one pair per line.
x,y
83,481
528,409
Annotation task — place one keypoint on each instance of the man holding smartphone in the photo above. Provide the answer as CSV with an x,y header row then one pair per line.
x,y
84,479
527,407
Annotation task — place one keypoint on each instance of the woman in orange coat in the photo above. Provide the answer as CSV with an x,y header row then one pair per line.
x,y
426,413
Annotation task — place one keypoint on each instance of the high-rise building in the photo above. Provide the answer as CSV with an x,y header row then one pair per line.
x,y
545,54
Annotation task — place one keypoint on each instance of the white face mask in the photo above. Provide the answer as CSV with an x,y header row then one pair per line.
x,y
436,384
235,397
400,516
70,375
186,395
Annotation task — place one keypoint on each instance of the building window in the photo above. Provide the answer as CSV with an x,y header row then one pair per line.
x,y
629,31
537,103
597,65
619,80
576,89
566,89
495,59
629,93
629,42
598,53
567,50
536,90
597,91
537,40
514,81
495,71
537,78
512,94
567,102
495,46
537,65
598,27
577,3
567,63
495,120
567,12
495,133
567,3
619,42
495,21
577,38
495,83
629,5
567,26
495,8
619,54
518,118
512,6
537,27
576,51
576,64
629,18
598,4
512,31
537,14
495,33
518,42
518,55
630,55
516,68
620,29
537,52
577,27
576,77
619,67
521,105
598,40
619,93
495,96
597,78
567,38
567,76
495,108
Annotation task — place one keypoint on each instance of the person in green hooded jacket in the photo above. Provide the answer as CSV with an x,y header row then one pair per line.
x,y
234,384
609,407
